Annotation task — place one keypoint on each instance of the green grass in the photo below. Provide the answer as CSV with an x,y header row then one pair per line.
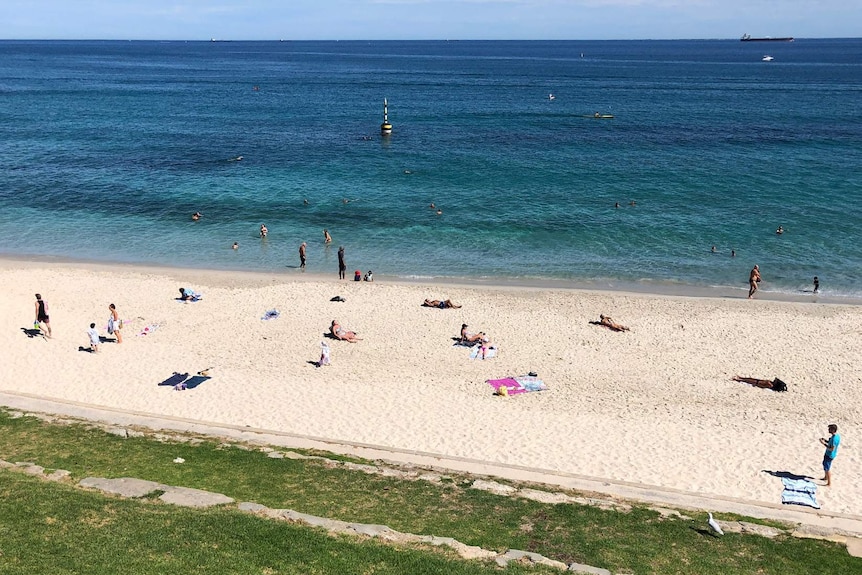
x,y
57,529
638,541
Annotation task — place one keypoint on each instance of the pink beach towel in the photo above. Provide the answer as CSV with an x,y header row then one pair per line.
x,y
519,384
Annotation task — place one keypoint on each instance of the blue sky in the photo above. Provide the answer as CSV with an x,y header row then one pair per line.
x,y
426,19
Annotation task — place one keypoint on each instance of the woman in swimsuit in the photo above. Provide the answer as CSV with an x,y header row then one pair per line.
x,y
471,337
608,322
339,332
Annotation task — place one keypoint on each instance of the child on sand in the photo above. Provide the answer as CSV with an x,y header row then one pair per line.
x,y
94,337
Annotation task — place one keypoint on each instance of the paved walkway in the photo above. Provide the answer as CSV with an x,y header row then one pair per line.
x,y
818,523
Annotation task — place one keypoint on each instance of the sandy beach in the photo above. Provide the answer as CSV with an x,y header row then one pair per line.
x,y
655,405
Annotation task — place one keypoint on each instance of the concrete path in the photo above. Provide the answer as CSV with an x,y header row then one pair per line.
x,y
816,523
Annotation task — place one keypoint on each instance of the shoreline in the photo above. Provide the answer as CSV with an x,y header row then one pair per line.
x,y
261,277
654,406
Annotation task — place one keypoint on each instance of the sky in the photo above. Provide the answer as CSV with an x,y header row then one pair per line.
x,y
426,19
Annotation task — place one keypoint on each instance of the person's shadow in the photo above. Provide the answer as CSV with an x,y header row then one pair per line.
x,y
31,333
787,474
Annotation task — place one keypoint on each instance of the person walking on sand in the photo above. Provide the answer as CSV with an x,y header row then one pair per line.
x,y
831,445
42,315
115,323
302,256
342,267
753,280
327,239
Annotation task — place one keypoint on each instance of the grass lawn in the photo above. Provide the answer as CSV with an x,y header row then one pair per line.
x,y
58,529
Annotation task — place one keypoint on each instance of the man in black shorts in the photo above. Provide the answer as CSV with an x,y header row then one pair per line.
x,y
42,315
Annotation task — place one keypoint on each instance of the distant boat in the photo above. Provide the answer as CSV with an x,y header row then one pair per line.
x,y
551,97
767,58
598,116
747,38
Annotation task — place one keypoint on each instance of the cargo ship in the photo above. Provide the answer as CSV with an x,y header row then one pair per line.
x,y
747,38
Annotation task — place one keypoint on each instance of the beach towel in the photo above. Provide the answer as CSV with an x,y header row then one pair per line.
x,y
518,384
148,329
175,379
490,351
270,314
195,381
463,343
799,492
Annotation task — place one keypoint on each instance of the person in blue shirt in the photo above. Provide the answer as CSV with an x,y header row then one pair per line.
x,y
831,451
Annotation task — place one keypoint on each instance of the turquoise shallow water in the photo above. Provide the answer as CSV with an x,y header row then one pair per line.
x,y
110,146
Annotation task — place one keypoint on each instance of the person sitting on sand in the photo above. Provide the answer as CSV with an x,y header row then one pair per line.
x,y
339,332
189,295
775,385
471,337
442,304
609,323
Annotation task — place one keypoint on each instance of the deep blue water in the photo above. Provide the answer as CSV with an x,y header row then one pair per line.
x,y
110,146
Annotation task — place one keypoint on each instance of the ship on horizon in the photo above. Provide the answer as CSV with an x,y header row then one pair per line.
x,y
748,38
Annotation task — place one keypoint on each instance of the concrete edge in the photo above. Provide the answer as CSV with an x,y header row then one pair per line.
x,y
841,524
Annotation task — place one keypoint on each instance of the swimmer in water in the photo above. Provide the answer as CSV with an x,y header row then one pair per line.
x,y
263,231
235,246
197,215
327,239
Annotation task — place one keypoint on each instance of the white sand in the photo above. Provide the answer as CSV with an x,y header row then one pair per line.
x,y
655,405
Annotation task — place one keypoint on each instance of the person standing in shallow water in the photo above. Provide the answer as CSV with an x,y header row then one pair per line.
x,y
342,267
42,314
753,280
302,256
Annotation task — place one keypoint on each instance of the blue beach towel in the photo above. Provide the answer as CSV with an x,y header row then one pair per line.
x,y
195,381
799,492
175,379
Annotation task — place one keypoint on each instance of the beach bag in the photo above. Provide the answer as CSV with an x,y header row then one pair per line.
x,y
779,385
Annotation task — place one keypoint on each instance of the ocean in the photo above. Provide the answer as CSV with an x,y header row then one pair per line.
x,y
110,146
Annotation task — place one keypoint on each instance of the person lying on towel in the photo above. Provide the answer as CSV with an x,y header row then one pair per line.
x,y
339,332
442,304
187,294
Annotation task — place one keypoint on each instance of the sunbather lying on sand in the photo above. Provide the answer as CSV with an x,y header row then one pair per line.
x,y
442,304
606,321
776,384
471,337
339,332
